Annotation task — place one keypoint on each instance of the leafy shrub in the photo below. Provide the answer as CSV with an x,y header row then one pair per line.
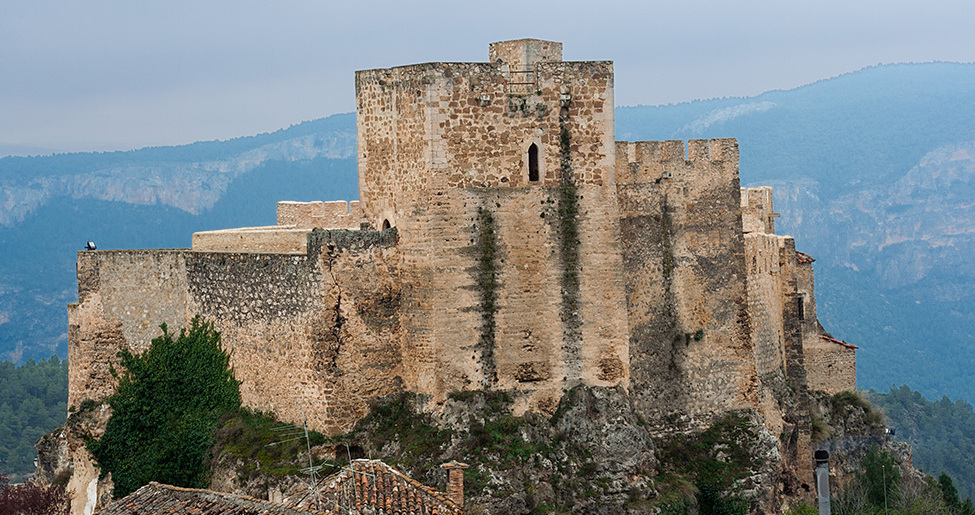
x,y
165,410
716,480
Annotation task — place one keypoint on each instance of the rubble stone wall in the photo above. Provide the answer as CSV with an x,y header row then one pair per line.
x,y
314,334
830,366
683,251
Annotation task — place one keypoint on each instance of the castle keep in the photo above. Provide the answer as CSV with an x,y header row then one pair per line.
x,y
502,240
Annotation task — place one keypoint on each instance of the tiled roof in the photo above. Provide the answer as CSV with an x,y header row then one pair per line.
x,y
156,498
803,259
838,342
367,485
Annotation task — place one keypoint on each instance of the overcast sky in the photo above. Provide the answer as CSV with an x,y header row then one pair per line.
x,y
121,74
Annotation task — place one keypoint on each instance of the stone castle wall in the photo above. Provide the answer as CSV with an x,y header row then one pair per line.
x,y
683,252
765,303
444,156
830,364
636,264
336,214
462,125
316,332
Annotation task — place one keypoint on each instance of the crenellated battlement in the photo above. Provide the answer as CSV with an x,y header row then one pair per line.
x,y
653,161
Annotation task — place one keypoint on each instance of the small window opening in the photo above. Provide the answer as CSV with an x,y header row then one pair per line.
x,y
386,224
533,163
801,304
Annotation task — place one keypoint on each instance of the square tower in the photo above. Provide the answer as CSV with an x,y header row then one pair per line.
x,y
460,125
500,179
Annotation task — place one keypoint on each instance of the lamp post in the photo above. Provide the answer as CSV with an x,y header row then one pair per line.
x,y
822,481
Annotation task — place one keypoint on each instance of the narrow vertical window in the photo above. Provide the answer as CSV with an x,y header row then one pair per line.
x,y
801,298
533,163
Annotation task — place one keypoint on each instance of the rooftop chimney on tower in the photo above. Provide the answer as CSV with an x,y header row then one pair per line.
x,y
455,481
522,54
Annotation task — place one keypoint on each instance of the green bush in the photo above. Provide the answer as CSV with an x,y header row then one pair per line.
x,y
881,476
165,410
715,478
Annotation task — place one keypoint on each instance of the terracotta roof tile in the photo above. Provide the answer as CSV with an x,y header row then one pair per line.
x,y
803,259
839,342
156,498
365,486
374,484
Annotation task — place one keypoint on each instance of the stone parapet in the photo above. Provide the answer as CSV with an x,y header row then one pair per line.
x,y
337,214
269,240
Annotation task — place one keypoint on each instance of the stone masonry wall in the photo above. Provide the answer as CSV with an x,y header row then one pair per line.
x,y
830,366
520,341
774,298
459,125
318,332
271,239
757,215
444,156
683,251
337,214
123,297
523,53
765,301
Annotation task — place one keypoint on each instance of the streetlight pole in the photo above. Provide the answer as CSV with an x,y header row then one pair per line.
x,y
822,481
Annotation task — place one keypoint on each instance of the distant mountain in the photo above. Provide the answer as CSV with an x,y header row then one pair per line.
x,y
149,198
874,174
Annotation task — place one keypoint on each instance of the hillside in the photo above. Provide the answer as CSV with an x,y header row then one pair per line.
x,y
873,173
32,402
941,433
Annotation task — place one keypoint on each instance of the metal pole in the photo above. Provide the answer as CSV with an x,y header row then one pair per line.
x,y
884,468
822,481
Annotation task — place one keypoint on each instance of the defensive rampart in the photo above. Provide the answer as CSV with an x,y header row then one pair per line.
x,y
316,332
683,252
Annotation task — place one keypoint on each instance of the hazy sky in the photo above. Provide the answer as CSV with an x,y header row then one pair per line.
x,y
114,74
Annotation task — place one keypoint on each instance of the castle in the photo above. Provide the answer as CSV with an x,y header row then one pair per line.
x,y
502,240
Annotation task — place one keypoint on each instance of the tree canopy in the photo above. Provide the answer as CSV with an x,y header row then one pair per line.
x,y
33,401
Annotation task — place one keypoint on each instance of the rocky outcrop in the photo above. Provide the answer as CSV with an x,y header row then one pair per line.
x,y
62,458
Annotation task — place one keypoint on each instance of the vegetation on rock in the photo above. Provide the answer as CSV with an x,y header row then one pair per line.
x,y
709,469
260,446
487,282
165,411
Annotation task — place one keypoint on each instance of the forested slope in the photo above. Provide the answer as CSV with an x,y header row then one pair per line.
x,y
33,401
942,433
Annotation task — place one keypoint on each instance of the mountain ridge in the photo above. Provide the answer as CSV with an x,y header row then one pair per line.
x,y
871,168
